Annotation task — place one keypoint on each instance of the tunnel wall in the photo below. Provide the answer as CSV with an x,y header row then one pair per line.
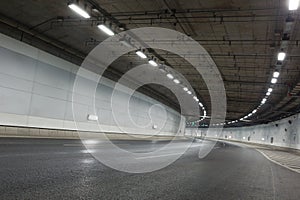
x,y
285,133
36,91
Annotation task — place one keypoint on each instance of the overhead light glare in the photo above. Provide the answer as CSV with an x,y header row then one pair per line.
x,y
293,4
200,104
274,80
153,63
79,10
170,76
276,74
185,89
270,90
176,81
141,54
106,30
281,56
268,93
189,92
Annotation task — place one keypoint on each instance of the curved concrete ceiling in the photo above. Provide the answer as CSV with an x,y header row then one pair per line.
x,y
242,37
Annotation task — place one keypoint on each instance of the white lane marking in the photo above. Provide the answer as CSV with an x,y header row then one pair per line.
x,y
276,162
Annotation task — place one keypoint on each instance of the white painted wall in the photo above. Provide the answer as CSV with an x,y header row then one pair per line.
x,y
36,91
285,133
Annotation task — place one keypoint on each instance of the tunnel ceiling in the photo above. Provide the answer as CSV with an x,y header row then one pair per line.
x,y
242,37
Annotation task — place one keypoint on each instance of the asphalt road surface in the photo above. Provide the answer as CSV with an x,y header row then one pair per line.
x,y
63,169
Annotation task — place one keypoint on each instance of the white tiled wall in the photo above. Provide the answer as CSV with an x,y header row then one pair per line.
x,y
36,91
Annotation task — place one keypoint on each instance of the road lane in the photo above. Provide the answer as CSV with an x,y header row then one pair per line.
x,y
50,169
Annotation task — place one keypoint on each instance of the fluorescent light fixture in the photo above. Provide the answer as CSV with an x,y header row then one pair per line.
x,y
176,81
270,90
268,93
274,80
200,104
153,63
254,111
92,117
170,76
281,56
276,74
79,10
197,99
185,89
293,4
141,54
106,30
263,101
189,92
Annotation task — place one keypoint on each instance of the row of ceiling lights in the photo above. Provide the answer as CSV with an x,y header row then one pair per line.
x,y
152,61
293,5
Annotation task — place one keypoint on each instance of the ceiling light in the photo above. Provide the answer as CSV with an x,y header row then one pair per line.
x,y
106,30
281,56
293,4
204,113
276,74
152,62
185,89
268,93
189,92
141,54
270,90
263,101
170,76
79,10
200,104
274,80
254,111
176,81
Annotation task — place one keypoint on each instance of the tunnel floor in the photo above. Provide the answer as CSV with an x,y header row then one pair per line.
x,y
62,169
